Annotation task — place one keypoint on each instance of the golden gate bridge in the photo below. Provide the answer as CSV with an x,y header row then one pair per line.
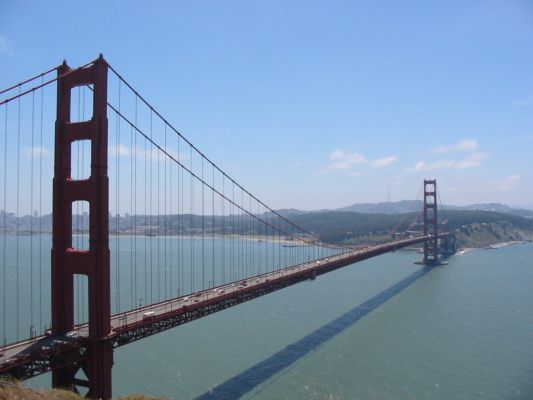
x,y
147,233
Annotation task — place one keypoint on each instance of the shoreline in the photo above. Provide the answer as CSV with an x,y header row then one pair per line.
x,y
464,250
258,238
496,246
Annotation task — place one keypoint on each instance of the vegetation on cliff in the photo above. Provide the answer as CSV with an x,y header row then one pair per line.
x,y
11,390
472,228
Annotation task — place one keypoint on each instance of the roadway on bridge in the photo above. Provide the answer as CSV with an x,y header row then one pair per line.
x,y
43,347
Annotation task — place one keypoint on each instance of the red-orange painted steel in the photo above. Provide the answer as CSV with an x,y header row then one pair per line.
x,y
45,353
431,247
67,261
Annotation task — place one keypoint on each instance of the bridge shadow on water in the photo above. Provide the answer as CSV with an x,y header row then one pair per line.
x,y
247,380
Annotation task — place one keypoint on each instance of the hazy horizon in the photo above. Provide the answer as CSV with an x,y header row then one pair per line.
x,y
309,105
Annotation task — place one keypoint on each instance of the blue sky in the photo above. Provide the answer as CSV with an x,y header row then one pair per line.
x,y
316,104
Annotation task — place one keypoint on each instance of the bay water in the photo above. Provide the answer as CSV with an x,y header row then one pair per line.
x,y
384,328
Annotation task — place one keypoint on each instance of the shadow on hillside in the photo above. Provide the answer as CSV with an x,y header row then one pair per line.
x,y
247,380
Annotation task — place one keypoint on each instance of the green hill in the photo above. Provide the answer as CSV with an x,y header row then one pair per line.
x,y
473,228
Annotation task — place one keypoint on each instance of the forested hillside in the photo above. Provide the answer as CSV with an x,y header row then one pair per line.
x,y
473,228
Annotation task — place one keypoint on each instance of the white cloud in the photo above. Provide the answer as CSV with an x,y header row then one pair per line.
x,y
383,162
346,160
5,47
435,165
37,151
506,183
463,145
119,150
341,159
473,160
150,154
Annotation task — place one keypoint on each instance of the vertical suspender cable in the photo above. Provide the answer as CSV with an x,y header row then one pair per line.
x,y
132,225
241,239
249,242
273,244
118,200
316,248
252,240
31,207
300,251
192,227
78,169
182,228
293,248
117,208
78,236
232,270
267,240
158,222
145,221
279,242
4,214
83,281
41,212
253,266
203,227
176,230
223,234
166,219
17,221
244,238
151,211
258,233
285,262
135,149
213,227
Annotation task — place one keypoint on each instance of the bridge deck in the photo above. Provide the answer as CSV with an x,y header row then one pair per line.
x,y
41,354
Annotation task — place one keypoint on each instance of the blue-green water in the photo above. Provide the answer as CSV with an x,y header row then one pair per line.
x,y
144,270
380,329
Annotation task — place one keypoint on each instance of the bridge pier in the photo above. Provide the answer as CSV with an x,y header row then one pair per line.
x,y
448,245
95,361
64,376
98,369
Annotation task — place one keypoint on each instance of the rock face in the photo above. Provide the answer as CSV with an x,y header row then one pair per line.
x,y
489,234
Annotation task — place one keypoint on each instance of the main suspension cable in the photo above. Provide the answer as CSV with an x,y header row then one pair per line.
x,y
152,109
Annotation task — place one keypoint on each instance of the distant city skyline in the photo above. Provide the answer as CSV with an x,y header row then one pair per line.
x,y
312,105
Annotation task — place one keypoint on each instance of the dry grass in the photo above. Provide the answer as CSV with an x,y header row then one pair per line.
x,y
10,390
15,391
139,397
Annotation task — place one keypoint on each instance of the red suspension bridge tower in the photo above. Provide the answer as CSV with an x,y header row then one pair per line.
x,y
431,246
79,351
68,261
